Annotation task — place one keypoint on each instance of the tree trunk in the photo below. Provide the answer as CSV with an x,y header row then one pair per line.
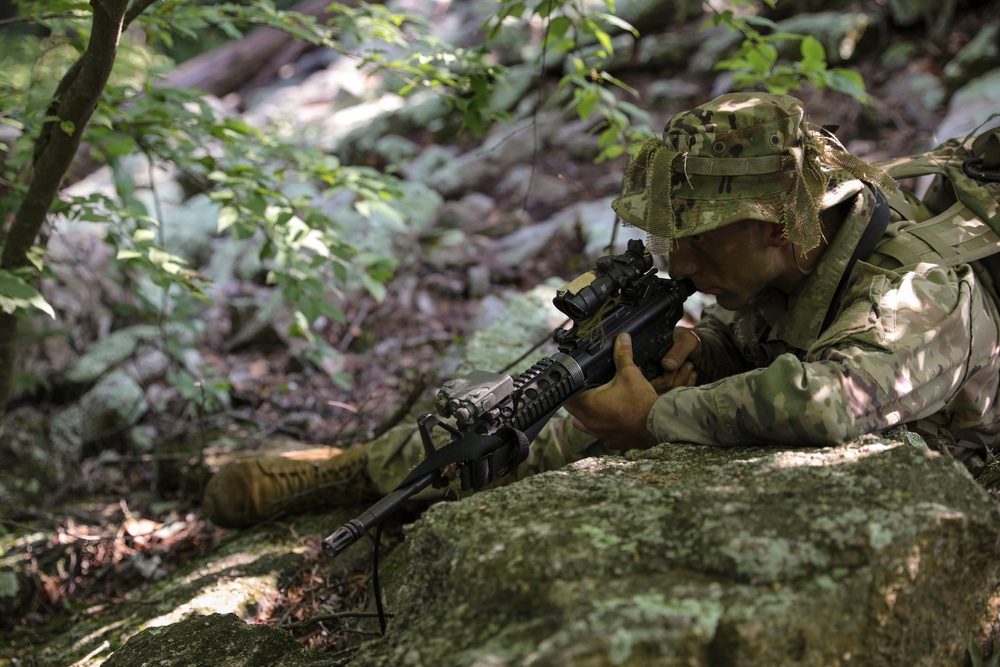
x,y
73,103
229,67
242,66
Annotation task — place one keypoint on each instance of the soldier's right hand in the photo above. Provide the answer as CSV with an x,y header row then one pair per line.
x,y
679,362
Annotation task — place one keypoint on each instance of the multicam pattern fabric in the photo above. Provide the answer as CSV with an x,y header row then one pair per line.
x,y
959,215
913,346
742,156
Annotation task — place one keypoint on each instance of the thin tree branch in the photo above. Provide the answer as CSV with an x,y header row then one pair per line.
x,y
135,10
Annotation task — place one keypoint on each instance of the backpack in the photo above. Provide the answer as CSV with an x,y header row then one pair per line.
x,y
957,220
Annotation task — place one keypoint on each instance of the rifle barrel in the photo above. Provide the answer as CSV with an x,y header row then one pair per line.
x,y
352,531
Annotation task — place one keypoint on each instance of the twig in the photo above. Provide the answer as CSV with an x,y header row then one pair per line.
x,y
416,391
329,617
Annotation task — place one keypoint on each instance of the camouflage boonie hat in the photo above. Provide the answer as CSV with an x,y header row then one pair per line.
x,y
742,156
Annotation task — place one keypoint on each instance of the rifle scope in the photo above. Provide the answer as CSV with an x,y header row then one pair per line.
x,y
584,296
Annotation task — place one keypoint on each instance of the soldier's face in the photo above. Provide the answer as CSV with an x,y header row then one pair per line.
x,y
733,263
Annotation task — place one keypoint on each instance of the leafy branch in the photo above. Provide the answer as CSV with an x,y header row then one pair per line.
x,y
757,62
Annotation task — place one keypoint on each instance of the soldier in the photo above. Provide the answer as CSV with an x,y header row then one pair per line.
x,y
809,344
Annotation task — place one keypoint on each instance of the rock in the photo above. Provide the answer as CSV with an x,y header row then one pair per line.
x,y
25,460
253,319
191,230
39,454
504,147
525,244
678,555
596,226
976,58
448,248
524,186
213,640
920,94
395,150
972,107
387,229
715,44
353,131
513,90
472,212
110,407
673,94
508,324
115,348
667,50
652,15
841,33
875,552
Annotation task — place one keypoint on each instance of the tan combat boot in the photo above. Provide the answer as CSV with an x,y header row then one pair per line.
x,y
246,492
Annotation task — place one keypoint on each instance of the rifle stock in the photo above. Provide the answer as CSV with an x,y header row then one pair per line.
x,y
496,416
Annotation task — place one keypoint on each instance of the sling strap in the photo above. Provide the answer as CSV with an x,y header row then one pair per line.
x,y
874,231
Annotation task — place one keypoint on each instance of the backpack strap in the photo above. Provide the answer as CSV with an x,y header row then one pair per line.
x,y
874,231
958,219
984,166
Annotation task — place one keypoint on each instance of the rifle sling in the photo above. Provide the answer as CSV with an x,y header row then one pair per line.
x,y
501,451
874,231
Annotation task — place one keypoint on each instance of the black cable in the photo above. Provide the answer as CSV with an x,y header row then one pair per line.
x,y
378,588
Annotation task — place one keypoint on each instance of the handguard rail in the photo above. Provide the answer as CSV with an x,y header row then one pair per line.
x,y
496,416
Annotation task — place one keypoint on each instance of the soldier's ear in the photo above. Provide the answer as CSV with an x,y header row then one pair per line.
x,y
776,234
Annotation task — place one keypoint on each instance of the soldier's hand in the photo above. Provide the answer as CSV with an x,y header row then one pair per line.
x,y
679,362
615,413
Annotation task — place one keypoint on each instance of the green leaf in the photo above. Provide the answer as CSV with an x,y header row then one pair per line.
x,y
849,82
761,22
586,104
621,24
16,294
376,288
762,57
813,54
228,215
556,29
142,236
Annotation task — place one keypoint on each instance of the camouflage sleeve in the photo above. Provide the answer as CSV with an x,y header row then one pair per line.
x,y
720,355
900,348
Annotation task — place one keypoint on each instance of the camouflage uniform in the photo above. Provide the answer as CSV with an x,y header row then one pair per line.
x,y
909,345
913,346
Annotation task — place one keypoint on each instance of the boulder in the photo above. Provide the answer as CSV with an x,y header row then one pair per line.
x,y
213,640
873,553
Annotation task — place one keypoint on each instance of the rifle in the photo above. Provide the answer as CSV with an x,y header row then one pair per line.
x,y
496,416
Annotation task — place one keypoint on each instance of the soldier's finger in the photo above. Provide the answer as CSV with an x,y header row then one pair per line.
x,y
686,344
623,352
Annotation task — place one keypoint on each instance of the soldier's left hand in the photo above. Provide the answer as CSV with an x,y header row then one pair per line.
x,y
615,413
679,363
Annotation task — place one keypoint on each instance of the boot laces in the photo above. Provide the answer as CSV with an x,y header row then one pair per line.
x,y
306,480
